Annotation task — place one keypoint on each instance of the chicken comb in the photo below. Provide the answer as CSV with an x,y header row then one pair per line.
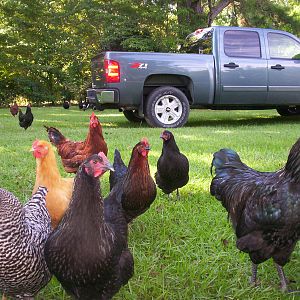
x,y
145,141
35,143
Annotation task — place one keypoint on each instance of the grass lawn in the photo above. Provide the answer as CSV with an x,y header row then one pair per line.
x,y
178,246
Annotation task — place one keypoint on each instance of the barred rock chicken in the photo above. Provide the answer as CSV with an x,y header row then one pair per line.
x,y
138,187
88,251
25,120
74,153
172,166
14,109
264,207
47,174
24,231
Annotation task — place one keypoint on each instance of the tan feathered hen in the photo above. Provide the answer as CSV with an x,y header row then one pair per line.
x,y
47,174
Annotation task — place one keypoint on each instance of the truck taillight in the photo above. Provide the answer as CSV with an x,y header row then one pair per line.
x,y
112,71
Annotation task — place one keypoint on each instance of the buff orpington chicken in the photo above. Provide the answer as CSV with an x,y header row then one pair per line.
x,y
48,175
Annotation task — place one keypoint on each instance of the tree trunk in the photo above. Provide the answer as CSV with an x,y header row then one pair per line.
x,y
215,10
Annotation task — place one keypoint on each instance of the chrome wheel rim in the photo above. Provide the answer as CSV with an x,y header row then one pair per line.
x,y
168,109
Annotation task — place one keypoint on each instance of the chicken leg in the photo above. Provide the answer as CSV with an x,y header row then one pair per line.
x,y
253,278
283,280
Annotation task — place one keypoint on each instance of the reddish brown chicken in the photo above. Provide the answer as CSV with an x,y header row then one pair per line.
x,y
138,187
74,153
14,109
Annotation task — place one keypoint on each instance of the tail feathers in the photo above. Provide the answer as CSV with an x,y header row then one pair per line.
x,y
120,169
118,162
54,135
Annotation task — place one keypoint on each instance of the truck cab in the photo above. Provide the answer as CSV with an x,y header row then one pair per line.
x,y
220,68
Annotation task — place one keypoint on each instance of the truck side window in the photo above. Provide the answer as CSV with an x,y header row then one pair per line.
x,y
283,46
241,43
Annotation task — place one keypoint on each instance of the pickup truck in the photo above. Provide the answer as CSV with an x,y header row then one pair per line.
x,y
221,68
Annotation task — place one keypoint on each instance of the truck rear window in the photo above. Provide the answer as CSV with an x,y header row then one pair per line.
x,y
241,43
283,46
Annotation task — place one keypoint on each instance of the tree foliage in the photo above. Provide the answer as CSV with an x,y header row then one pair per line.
x,y
46,46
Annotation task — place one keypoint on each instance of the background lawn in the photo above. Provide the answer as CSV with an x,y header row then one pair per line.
x,y
182,249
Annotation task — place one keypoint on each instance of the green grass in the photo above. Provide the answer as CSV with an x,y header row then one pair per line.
x,y
177,245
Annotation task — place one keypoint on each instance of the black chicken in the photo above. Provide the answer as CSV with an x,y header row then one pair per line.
x,y
172,166
88,250
264,207
137,186
66,104
25,120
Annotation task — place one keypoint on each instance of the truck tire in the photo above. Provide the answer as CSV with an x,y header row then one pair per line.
x,y
132,116
288,111
167,106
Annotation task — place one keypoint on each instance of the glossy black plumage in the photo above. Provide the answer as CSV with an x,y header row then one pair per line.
x,y
172,166
88,251
264,207
25,120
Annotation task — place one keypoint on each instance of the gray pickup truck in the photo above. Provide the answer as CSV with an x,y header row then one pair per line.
x,y
221,68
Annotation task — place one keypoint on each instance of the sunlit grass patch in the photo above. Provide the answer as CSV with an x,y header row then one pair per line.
x,y
183,249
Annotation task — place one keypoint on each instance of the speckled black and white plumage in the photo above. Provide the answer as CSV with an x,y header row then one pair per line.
x,y
24,231
88,250
264,207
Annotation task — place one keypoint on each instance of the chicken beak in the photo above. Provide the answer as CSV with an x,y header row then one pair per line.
x,y
110,167
147,148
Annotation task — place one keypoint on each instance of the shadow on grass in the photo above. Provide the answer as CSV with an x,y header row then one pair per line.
x,y
218,122
251,121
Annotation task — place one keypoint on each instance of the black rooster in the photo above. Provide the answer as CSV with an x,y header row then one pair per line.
x,y
264,207
25,120
88,250
172,166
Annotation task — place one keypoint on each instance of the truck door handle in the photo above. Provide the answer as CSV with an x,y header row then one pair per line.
x,y
231,65
277,67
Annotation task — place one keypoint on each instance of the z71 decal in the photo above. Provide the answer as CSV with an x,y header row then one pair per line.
x,y
138,65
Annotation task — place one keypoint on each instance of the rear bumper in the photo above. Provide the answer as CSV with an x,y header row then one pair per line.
x,y
99,97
